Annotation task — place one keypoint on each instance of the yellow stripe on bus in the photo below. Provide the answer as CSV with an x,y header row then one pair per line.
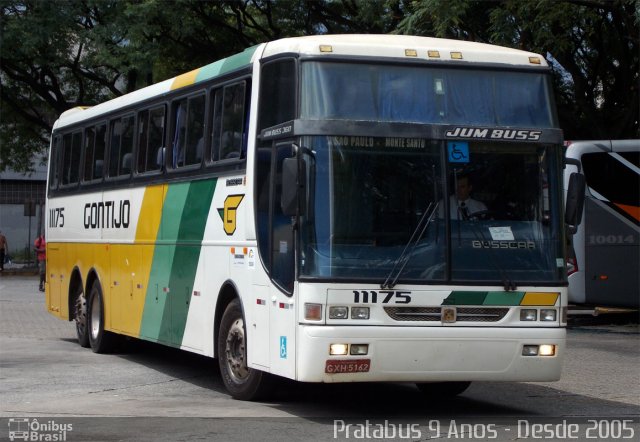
x,y
185,79
539,298
150,214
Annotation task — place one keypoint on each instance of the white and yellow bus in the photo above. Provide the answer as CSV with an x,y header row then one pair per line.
x,y
298,210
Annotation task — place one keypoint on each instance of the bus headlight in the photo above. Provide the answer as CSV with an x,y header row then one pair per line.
x,y
548,314
547,350
359,312
528,314
359,349
539,350
338,349
338,312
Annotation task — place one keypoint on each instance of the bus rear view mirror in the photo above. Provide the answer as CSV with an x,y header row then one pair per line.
x,y
293,179
575,202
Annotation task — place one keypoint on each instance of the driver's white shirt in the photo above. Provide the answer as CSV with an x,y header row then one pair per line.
x,y
472,206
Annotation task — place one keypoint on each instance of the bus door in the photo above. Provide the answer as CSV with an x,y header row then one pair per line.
x,y
275,232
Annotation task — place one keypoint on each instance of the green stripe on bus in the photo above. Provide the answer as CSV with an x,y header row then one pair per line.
x,y
503,298
157,294
483,298
185,261
465,298
226,65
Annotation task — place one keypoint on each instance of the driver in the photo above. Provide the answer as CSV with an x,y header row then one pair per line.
x,y
461,205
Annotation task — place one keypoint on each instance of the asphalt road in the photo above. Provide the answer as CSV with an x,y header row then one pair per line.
x,y
149,392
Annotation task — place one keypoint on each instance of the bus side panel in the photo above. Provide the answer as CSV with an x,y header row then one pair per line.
x,y
55,257
173,268
612,258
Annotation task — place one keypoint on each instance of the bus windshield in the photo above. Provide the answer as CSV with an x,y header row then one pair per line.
x,y
499,221
425,94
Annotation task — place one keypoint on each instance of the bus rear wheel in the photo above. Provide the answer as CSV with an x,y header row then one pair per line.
x,y
101,341
242,382
80,317
442,389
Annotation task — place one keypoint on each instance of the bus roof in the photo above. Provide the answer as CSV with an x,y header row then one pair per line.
x,y
353,45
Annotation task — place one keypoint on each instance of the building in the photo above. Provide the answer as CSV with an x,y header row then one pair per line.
x,y
22,199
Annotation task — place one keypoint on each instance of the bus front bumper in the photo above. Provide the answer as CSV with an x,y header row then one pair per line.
x,y
429,354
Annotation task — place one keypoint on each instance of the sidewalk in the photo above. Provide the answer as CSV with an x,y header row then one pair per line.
x,y
13,269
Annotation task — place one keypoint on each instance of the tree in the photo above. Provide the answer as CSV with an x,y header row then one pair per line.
x,y
88,51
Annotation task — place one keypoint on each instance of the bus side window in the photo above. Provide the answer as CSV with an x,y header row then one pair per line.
x,y
71,158
89,152
55,162
99,150
232,121
121,147
216,98
188,133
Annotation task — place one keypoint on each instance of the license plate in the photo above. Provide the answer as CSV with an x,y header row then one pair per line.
x,y
347,366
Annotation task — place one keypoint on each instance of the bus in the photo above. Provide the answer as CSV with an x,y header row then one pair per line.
x,y
292,211
605,255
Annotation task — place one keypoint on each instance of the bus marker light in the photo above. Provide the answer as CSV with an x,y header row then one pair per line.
x,y
338,312
312,312
359,312
603,277
534,60
410,53
359,349
326,48
433,54
338,349
548,314
547,350
456,55
528,314
530,350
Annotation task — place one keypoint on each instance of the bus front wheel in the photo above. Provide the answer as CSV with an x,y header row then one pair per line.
x,y
242,382
442,389
101,341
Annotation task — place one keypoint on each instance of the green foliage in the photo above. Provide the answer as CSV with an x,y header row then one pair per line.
x,y
59,54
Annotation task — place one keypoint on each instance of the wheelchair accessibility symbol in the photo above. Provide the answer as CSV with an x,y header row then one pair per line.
x,y
283,347
458,151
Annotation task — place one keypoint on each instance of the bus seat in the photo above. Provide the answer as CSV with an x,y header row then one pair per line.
x,y
97,169
160,157
126,164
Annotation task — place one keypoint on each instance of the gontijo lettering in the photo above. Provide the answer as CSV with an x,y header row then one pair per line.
x,y
107,215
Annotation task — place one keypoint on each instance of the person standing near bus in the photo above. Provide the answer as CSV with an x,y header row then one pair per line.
x,y
41,252
4,250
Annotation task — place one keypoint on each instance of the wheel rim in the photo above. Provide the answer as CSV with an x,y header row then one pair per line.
x,y
95,317
81,314
235,352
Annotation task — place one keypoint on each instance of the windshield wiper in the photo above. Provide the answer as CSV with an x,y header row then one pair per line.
x,y
420,230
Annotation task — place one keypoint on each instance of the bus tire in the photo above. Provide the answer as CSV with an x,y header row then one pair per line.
x,y
80,317
101,341
242,382
442,389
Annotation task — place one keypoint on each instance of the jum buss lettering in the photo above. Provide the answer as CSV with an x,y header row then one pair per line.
x,y
107,215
